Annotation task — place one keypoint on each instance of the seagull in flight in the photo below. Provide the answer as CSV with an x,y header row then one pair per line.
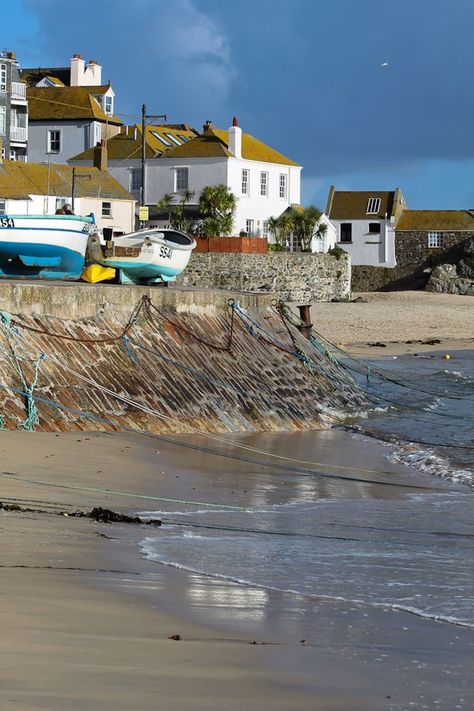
x,y
384,64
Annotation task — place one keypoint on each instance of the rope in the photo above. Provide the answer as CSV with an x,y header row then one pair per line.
x,y
98,490
144,302
193,335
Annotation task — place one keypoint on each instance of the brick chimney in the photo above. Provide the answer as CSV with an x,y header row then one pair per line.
x,y
100,156
235,138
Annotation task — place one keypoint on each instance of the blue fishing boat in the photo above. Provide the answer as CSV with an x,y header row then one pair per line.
x,y
44,246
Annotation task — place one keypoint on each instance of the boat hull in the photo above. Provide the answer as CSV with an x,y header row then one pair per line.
x,y
147,257
43,246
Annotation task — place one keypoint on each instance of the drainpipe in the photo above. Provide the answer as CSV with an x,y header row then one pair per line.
x,y
305,317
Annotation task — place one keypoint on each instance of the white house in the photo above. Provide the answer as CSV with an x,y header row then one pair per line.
x,y
180,159
40,189
365,223
70,110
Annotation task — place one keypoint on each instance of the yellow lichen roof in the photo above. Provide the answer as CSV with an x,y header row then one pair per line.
x,y
214,142
254,149
352,205
19,180
206,145
445,220
67,103
127,144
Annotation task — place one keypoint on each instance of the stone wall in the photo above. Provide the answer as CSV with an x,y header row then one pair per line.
x,y
415,260
297,276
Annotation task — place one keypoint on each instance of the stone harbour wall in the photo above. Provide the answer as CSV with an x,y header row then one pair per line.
x,y
293,276
183,364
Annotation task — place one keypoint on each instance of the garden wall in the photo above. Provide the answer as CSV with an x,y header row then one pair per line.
x,y
294,276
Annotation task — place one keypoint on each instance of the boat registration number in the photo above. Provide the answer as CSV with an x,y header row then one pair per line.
x,y
166,252
7,222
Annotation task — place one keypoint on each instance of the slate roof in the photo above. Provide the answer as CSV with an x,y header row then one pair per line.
x,y
439,220
19,180
66,103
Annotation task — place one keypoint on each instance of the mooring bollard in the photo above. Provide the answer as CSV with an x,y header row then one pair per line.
x,y
305,317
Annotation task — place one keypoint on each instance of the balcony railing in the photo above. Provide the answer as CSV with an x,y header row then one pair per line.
x,y
18,134
18,90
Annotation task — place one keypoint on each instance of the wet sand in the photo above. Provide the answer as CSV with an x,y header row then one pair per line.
x,y
86,622
403,321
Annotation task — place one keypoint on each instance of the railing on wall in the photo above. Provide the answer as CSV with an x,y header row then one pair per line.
x,y
18,134
18,90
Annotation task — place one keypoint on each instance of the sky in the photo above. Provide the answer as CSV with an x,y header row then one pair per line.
x,y
364,94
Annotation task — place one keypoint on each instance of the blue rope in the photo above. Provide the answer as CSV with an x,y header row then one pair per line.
x,y
128,348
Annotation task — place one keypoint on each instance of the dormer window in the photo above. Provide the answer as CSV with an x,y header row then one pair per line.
x,y
160,138
373,206
108,105
173,138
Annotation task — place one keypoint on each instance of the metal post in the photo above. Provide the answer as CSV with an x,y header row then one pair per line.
x,y
73,188
305,317
142,202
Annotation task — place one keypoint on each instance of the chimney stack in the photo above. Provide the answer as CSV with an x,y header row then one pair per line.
x,y
77,70
235,138
100,156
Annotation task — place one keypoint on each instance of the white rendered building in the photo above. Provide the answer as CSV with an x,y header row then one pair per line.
x,y
179,158
365,224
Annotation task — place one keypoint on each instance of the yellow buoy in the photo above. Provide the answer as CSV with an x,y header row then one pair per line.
x,y
447,357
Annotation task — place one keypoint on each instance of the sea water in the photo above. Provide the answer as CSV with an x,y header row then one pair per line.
x,y
380,516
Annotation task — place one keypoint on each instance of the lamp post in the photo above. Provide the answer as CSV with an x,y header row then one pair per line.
x,y
146,116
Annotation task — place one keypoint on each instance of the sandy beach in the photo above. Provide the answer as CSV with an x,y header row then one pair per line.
x,y
86,622
403,321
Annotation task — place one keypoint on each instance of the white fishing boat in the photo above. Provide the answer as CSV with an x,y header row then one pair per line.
x,y
44,246
143,257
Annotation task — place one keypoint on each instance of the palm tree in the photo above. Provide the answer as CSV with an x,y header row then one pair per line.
x,y
176,211
217,204
166,204
307,224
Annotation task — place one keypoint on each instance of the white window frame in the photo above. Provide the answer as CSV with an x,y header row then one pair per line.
x,y
373,206
265,231
250,227
3,207
135,179
263,184
3,77
435,240
108,105
3,120
13,154
49,140
97,133
245,186
60,202
181,184
106,211
282,186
